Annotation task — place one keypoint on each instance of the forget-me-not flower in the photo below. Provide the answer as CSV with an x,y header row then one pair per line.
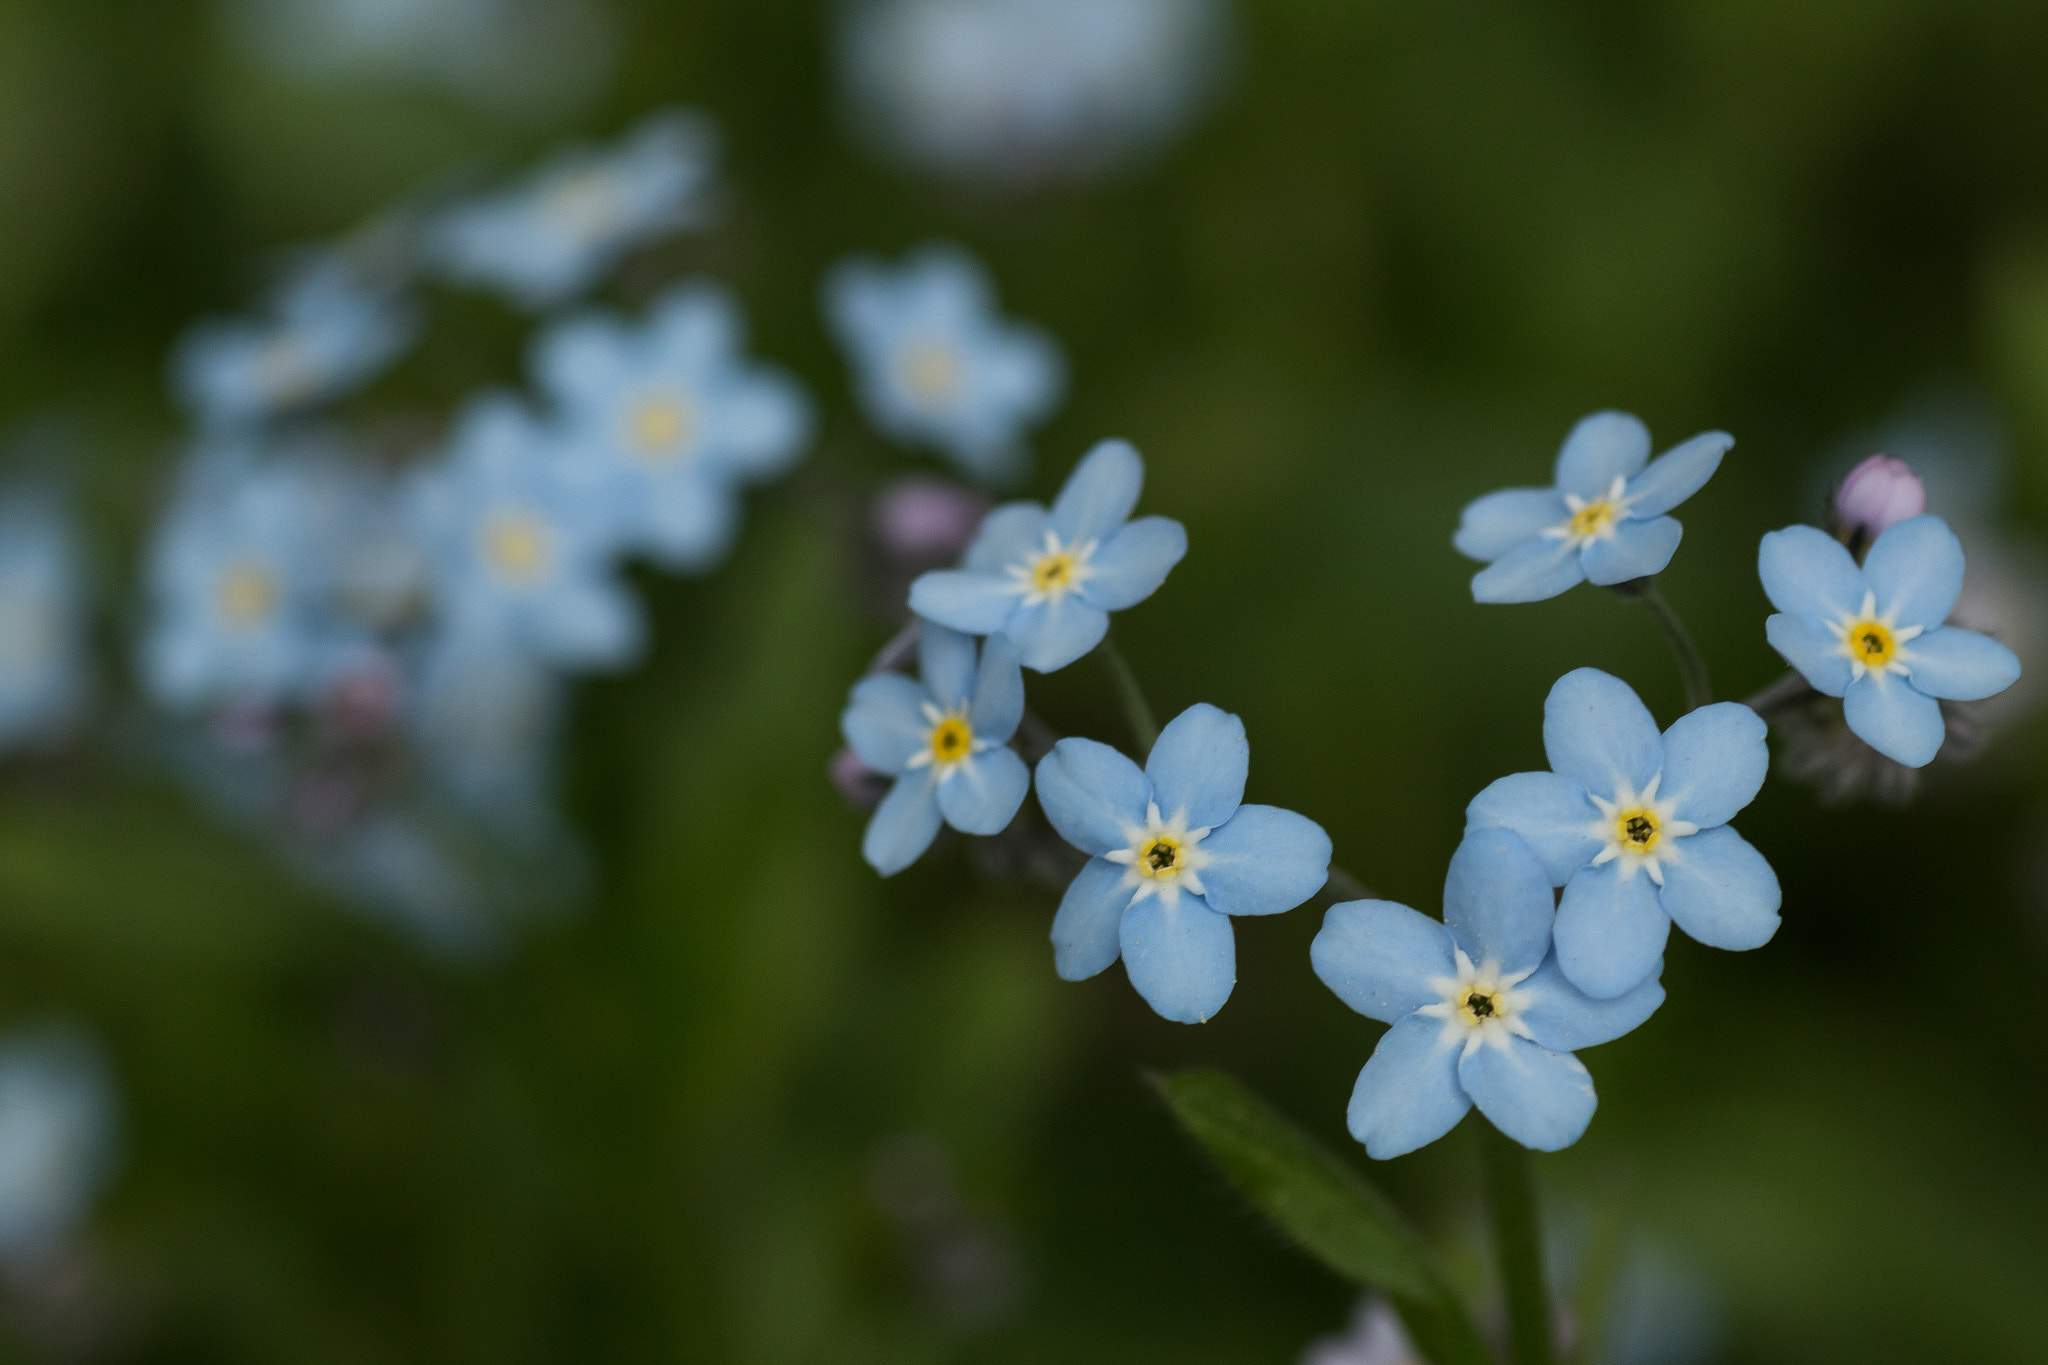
x,y
1048,580
944,741
1481,1013
1634,826
666,420
1874,636
1602,522
936,365
57,1119
1173,853
43,668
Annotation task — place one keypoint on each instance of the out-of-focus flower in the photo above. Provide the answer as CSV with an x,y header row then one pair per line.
x,y
944,741
665,422
1013,93
921,519
1874,636
486,721
1480,1011
861,785
57,1120
43,668
549,239
1174,853
1376,1337
1048,580
936,365
1873,497
1621,801
1602,522
328,332
518,551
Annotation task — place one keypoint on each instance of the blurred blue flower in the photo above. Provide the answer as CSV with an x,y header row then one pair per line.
x,y
516,548
1481,1013
943,740
1621,800
43,667
666,421
1874,636
486,717
937,366
1173,854
1048,580
551,238
57,1120
1602,522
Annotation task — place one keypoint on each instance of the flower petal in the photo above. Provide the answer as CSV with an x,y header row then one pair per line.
x,y
1916,570
1816,651
1379,956
1610,930
1600,449
1895,718
1715,760
903,826
982,795
1099,495
960,599
1565,1019
998,706
1264,860
1052,634
1549,812
1198,766
1134,563
1961,665
1806,572
1497,900
945,659
1092,794
1084,932
1534,570
1598,733
1637,549
1491,526
1181,956
1008,535
884,721
1677,474
1408,1095
1541,1099
1719,889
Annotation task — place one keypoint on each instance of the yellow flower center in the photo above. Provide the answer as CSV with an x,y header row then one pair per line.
x,y
1480,1004
660,428
248,594
952,740
1053,573
1638,829
1870,643
584,203
1159,856
1592,519
516,546
931,372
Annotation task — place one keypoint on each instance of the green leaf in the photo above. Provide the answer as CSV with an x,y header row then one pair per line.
x,y
1324,1205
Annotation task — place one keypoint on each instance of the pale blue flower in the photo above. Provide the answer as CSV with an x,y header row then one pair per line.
x,y
943,741
936,365
551,238
1173,854
43,665
1048,580
486,716
1634,826
1481,1013
666,421
57,1119
1602,522
1874,636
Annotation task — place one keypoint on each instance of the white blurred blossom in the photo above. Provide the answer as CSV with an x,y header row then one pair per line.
x,y
57,1120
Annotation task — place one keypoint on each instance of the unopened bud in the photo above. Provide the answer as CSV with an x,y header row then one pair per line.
x,y
1878,493
924,519
857,782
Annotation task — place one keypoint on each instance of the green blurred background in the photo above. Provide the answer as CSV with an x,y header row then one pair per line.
x,y
752,1104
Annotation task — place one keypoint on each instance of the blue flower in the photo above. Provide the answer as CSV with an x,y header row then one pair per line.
x,y
57,1137
1173,854
943,741
519,550
1048,580
1481,1013
1874,637
552,237
1633,826
936,365
667,420
1603,522
43,668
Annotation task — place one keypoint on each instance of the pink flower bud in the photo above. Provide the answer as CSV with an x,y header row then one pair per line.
x,y
1878,493
857,782
927,519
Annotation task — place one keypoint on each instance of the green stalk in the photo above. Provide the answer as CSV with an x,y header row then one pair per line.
x,y
1137,711
1691,666
1518,1243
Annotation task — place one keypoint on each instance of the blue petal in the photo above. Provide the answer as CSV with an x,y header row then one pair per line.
x,y
998,692
884,721
1534,570
1379,957
1134,563
1600,449
903,826
982,796
1895,718
1099,494
1715,759
1916,570
1806,572
1497,900
1813,649
1092,794
1610,930
1008,535
1053,634
1565,1019
1198,766
1961,665
1721,891
1549,812
945,659
1408,1095
1181,957
1541,1099
1264,860
1084,932
1677,474
977,603
1491,526
1598,733
1637,549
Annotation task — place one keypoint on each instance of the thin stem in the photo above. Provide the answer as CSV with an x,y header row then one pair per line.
x,y
902,647
1342,886
1137,711
1789,688
1518,1243
1693,668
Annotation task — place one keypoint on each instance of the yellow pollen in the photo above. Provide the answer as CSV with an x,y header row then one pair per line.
x,y
1159,857
516,546
1638,830
952,740
1592,519
1479,1006
931,372
247,594
1053,572
1870,643
660,428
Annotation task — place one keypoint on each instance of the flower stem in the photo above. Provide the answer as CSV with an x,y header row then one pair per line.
x,y
1518,1242
1693,668
1342,886
1137,711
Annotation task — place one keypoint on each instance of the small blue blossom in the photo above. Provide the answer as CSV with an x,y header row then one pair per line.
x,y
1602,522
937,366
551,238
57,1139
1174,853
1874,636
1048,580
666,421
944,741
519,550
1481,1012
1633,826
43,668
485,717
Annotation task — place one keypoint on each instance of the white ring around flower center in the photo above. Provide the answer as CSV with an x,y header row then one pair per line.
x,y
1481,1006
1875,643
1592,519
1638,829
1053,571
950,743
1162,857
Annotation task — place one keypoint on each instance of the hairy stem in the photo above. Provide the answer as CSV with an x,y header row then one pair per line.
x,y
1129,695
1518,1243
1693,668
